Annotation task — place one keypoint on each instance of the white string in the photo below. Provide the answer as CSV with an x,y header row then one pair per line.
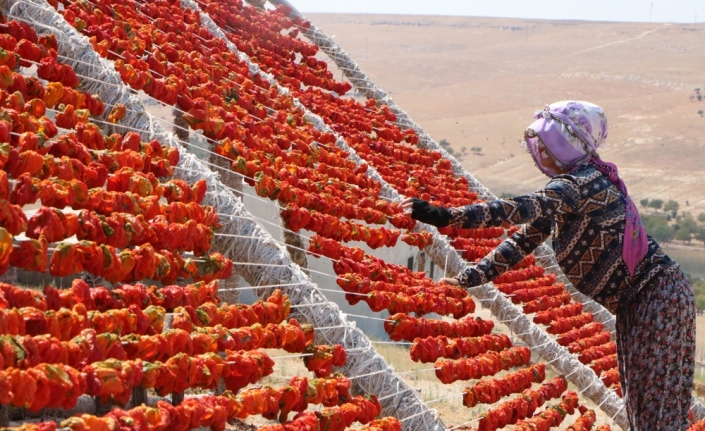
x,y
444,398
277,241
553,360
603,401
618,411
601,310
324,274
266,286
273,224
273,265
524,333
445,267
315,304
374,373
134,129
541,345
572,372
344,293
423,412
417,371
299,355
369,317
331,327
401,343
303,355
589,386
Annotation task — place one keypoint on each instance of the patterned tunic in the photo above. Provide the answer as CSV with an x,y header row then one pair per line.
x,y
586,214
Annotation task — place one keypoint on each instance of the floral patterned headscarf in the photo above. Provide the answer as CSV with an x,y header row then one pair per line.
x,y
571,132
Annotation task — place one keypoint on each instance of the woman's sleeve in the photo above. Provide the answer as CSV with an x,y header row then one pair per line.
x,y
558,195
510,252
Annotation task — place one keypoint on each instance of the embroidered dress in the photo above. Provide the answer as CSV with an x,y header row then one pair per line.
x,y
655,310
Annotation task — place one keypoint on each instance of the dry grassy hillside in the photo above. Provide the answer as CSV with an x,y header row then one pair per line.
x,y
477,81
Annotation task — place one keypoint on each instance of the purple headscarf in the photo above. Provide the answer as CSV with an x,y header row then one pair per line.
x,y
571,133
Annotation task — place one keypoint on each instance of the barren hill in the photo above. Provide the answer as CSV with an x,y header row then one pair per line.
x,y
477,81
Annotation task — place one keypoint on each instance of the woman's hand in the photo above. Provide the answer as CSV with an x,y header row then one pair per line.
x,y
451,281
424,212
407,205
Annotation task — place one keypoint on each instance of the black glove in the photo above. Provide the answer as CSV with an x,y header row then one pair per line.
x,y
427,213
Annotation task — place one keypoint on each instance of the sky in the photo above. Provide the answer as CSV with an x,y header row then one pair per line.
x,y
680,11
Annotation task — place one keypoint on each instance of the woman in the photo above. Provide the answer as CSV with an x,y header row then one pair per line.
x,y
601,246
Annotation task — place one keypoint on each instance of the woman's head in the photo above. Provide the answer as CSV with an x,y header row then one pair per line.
x,y
546,161
568,132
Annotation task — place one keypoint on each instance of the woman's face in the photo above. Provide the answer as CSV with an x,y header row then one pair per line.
x,y
546,161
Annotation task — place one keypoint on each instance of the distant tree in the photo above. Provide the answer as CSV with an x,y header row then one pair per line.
x,y
506,195
658,227
701,217
446,146
672,207
662,233
656,204
644,202
700,111
683,235
689,224
700,302
700,235
699,291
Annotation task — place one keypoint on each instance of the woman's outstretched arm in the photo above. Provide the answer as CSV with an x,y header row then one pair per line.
x,y
510,252
560,194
